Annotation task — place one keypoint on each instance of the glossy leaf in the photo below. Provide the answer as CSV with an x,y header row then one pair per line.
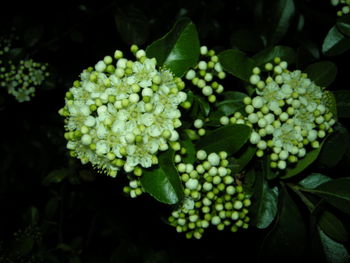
x,y
342,98
336,192
229,138
268,54
246,40
190,156
332,226
334,147
163,182
287,239
231,103
264,208
322,73
237,164
237,63
335,252
279,14
314,180
178,50
302,164
132,25
343,24
335,42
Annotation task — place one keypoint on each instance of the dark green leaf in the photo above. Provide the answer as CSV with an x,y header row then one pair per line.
x,y
190,156
269,173
56,176
335,43
163,182
322,73
302,164
334,147
314,180
279,14
287,239
342,98
33,34
237,63
343,24
232,102
24,245
203,105
247,40
267,55
264,208
332,226
244,157
132,25
334,251
229,138
336,192
178,50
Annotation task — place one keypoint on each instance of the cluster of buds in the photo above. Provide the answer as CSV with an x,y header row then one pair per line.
x,y
20,78
212,196
343,4
204,74
289,113
122,113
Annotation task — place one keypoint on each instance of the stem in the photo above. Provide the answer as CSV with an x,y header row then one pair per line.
x,y
306,201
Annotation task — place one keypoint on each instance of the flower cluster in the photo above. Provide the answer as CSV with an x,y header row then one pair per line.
x,y
289,114
204,74
20,78
212,196
122,112
344,5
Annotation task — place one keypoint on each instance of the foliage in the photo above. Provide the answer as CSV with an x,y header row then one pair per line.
x,y
54,209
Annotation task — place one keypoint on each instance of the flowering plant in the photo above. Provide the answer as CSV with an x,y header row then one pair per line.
x,y
192,141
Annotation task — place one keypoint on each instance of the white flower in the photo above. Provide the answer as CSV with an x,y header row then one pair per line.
x,y
114,119
271,94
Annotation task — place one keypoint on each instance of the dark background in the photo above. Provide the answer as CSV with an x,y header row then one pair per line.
x,y
73,214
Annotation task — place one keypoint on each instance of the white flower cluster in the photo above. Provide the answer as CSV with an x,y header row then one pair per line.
x,y
121,113
289,114
344,5
212,196
204,74
20,79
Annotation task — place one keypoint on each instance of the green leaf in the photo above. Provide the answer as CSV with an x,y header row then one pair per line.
x,y
203,105
322,73
56,176
237,63
33,34
334,147
229,138
264,208
343,24
133,26
314,180
190,156
163,182
336,192
268,54
232,102
279,14
334,251
269,173
287,239
24,245
246,40
335,43
302,164
237,164
178,50
342,98
332,226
